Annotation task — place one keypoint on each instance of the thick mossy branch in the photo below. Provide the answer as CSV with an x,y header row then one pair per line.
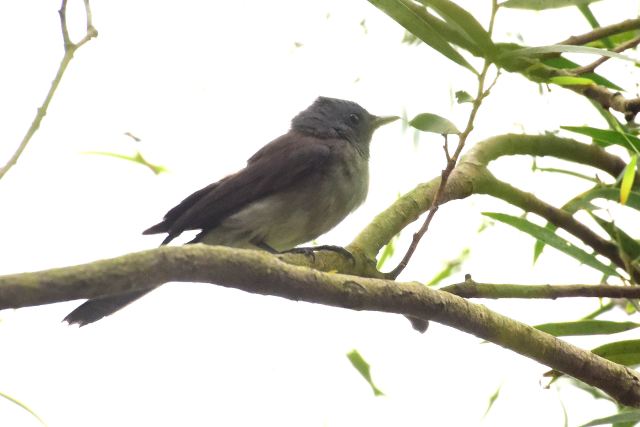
x,y
471,176
262,273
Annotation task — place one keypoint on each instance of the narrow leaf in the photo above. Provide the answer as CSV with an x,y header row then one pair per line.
x,y
387,252
627,179
622,417
492,400
362,367
561,48
23,406
428,122
607,137
451,267
586,327
562,63
552,239
571,81
630,247
137,158
411,17
464,22
623,352
543,4
583,201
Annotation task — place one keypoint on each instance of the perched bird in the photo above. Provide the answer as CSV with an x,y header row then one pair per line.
x,y
294,189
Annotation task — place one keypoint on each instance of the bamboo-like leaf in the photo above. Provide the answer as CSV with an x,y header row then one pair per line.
x,y
23,406
387,252
544,4
562,63
451,267
628,244
428,122
492,400
363,368
586,327
606,137
622,417
564,48
412,17
624,352
464,22
137,158
583,201
571,81
552,239
628,177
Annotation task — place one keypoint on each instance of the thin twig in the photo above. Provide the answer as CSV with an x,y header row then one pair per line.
x,y
69,50
599,33
595,64
451,160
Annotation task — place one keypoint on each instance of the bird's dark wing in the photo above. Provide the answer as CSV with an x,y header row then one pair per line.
x,y
275,167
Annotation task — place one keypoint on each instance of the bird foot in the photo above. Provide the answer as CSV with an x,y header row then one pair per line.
x,y
310,251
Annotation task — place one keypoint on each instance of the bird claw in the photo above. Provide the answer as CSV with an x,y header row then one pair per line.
x,y
310,251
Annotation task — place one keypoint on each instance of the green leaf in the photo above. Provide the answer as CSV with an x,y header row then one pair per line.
x,y
387,252
561,48
428,122
137,158
451,267
464,22
492,400
415,19
571,81
623,352
586,327
544,4
362,367
606,137
583,201
630,247
622,417
562,63
462,97
23,406
628,177
552,239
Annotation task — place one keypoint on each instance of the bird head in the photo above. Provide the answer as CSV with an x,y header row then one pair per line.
x,y
337,118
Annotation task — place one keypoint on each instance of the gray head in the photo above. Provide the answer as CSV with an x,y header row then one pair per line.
x,y
337,118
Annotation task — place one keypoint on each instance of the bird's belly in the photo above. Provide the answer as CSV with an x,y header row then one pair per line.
x,y
285,220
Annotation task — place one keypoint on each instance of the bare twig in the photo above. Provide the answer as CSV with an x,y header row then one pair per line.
x,y
599,33
69,50
595,64
451,159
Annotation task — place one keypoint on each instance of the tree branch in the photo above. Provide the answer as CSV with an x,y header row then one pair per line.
x,y
469,172
262,273
471,289
69,50
602,32
590,68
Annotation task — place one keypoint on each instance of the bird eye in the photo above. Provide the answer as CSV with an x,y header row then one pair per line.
x,y
354,118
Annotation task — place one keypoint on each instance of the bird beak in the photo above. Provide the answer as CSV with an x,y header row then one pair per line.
x,y
381,121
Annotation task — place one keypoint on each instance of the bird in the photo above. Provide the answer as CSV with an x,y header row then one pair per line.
x,y
291,191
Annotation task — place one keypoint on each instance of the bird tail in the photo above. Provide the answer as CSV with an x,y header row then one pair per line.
x,y
96,309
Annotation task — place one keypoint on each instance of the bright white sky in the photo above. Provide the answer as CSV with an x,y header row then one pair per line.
x,y
205,84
